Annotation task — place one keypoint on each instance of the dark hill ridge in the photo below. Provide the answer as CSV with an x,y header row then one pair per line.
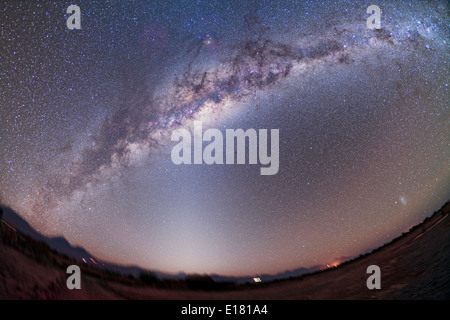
x,y
59,244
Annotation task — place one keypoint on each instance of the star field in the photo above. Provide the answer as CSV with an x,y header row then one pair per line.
x,y
86,119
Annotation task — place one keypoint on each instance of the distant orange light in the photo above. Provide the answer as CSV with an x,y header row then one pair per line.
x,y
333,265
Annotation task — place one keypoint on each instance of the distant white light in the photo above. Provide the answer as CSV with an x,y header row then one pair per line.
x,y
402,200
257,279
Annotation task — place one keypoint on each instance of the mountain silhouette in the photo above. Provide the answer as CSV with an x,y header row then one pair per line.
x,y
59,244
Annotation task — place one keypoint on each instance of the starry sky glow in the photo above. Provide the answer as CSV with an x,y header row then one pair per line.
x,y
86,118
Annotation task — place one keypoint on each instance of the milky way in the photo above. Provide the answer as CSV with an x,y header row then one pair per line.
x,y
87,117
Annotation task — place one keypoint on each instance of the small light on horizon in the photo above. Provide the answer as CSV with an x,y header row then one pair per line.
x,y
333,265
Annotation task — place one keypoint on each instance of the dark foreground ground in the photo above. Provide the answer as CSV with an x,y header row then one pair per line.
x,y
414,266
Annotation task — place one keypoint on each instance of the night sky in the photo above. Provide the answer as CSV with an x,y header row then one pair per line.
x,y
86,118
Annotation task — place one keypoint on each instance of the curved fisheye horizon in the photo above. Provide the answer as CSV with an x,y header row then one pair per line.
x,y
118,136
